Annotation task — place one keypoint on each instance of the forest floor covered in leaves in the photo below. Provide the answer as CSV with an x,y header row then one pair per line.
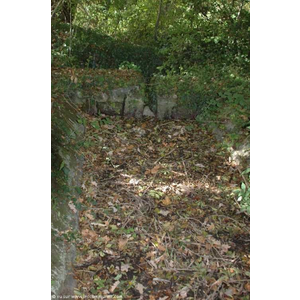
x,y
159,219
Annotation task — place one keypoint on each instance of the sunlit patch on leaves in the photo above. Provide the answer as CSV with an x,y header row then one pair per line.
x,y
145,224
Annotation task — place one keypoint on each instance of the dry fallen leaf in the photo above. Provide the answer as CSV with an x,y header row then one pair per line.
x,y
150,254
211,227
140,288
200,239
200,165
153,170
153,264
89,234
164,212
106,239
224,248
125,268
183,292
74,79
122,244
168,226
161,248
230,292
72,207
89,216
247,286
166,201
114,286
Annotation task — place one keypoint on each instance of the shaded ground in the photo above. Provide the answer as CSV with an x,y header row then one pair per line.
x,y
159,220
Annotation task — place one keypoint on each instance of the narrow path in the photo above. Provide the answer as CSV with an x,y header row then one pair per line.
x,y
158,218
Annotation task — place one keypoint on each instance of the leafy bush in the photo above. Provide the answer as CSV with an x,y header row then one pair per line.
x,y
206,90
86,48
126,65
243,194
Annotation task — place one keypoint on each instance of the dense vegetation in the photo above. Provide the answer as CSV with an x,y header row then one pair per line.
x,y
179,40
198,47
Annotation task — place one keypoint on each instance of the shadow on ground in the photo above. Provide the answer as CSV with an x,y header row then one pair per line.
x,y
159,219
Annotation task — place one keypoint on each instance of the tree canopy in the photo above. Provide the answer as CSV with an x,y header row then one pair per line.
x,y
185,32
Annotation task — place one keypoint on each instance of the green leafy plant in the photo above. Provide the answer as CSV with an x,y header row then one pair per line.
x,y
126,65
243,194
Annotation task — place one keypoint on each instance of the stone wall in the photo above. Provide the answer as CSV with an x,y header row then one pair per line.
x,y
63,217
132,102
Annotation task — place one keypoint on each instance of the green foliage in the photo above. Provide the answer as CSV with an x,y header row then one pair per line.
x,y
211,92
155,194
105,121
230,100
243,194
86,48
185,33
188,31
126,65
64,11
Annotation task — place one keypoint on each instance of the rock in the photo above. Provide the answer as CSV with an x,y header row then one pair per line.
x,y
104,96
134,108
134,103
118,95
165,105
93,110
241,154
112,103
63,254
219,134
182,112
77,98
148,112
229,126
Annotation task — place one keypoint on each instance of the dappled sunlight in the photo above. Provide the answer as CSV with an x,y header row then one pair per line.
x,y
159,214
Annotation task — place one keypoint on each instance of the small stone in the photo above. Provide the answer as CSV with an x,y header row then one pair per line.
x,y
104,96
165,105
148,112
133,107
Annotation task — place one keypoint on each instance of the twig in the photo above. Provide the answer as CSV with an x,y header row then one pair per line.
x,y
57,6
178,270
242,280
244,178
106,179
223,216
164,156
186,174
212,297
171,122
151,183
94,261
188,218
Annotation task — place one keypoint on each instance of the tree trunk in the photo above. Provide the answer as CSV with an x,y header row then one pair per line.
x,y
66,10
158,19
